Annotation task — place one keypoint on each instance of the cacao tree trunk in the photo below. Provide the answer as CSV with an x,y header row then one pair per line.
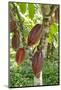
x,y
38,81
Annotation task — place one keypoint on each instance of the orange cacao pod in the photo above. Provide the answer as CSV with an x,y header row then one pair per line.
x,y
34,34
37,62
12,26
20,55
15,41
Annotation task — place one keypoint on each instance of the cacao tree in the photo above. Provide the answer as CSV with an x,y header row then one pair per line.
x,y
33,35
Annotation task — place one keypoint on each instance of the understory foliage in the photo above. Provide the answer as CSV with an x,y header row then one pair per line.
x,y
26,16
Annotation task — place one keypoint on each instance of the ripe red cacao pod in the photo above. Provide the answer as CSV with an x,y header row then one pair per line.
x,y
15,41
20,55
12,26
35,34
37,63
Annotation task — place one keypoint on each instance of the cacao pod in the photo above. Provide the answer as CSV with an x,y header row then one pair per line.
x,y
37,62
20,55
35,34
15,41
12,26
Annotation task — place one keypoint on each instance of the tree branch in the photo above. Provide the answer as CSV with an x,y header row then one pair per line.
x,y
19,18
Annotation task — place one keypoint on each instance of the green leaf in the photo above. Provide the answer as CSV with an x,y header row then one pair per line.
x,y
53,31
50,39
31,10
53,28
22,7
26,32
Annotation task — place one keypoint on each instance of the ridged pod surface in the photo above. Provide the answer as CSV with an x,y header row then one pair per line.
x,y
15,41
35,34
12,26
20,55
37,63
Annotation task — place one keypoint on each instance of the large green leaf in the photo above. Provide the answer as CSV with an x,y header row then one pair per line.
x,y
31,10
53,28
53,32
22,7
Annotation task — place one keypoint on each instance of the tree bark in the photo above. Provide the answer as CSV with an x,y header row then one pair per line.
x,y
38,81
